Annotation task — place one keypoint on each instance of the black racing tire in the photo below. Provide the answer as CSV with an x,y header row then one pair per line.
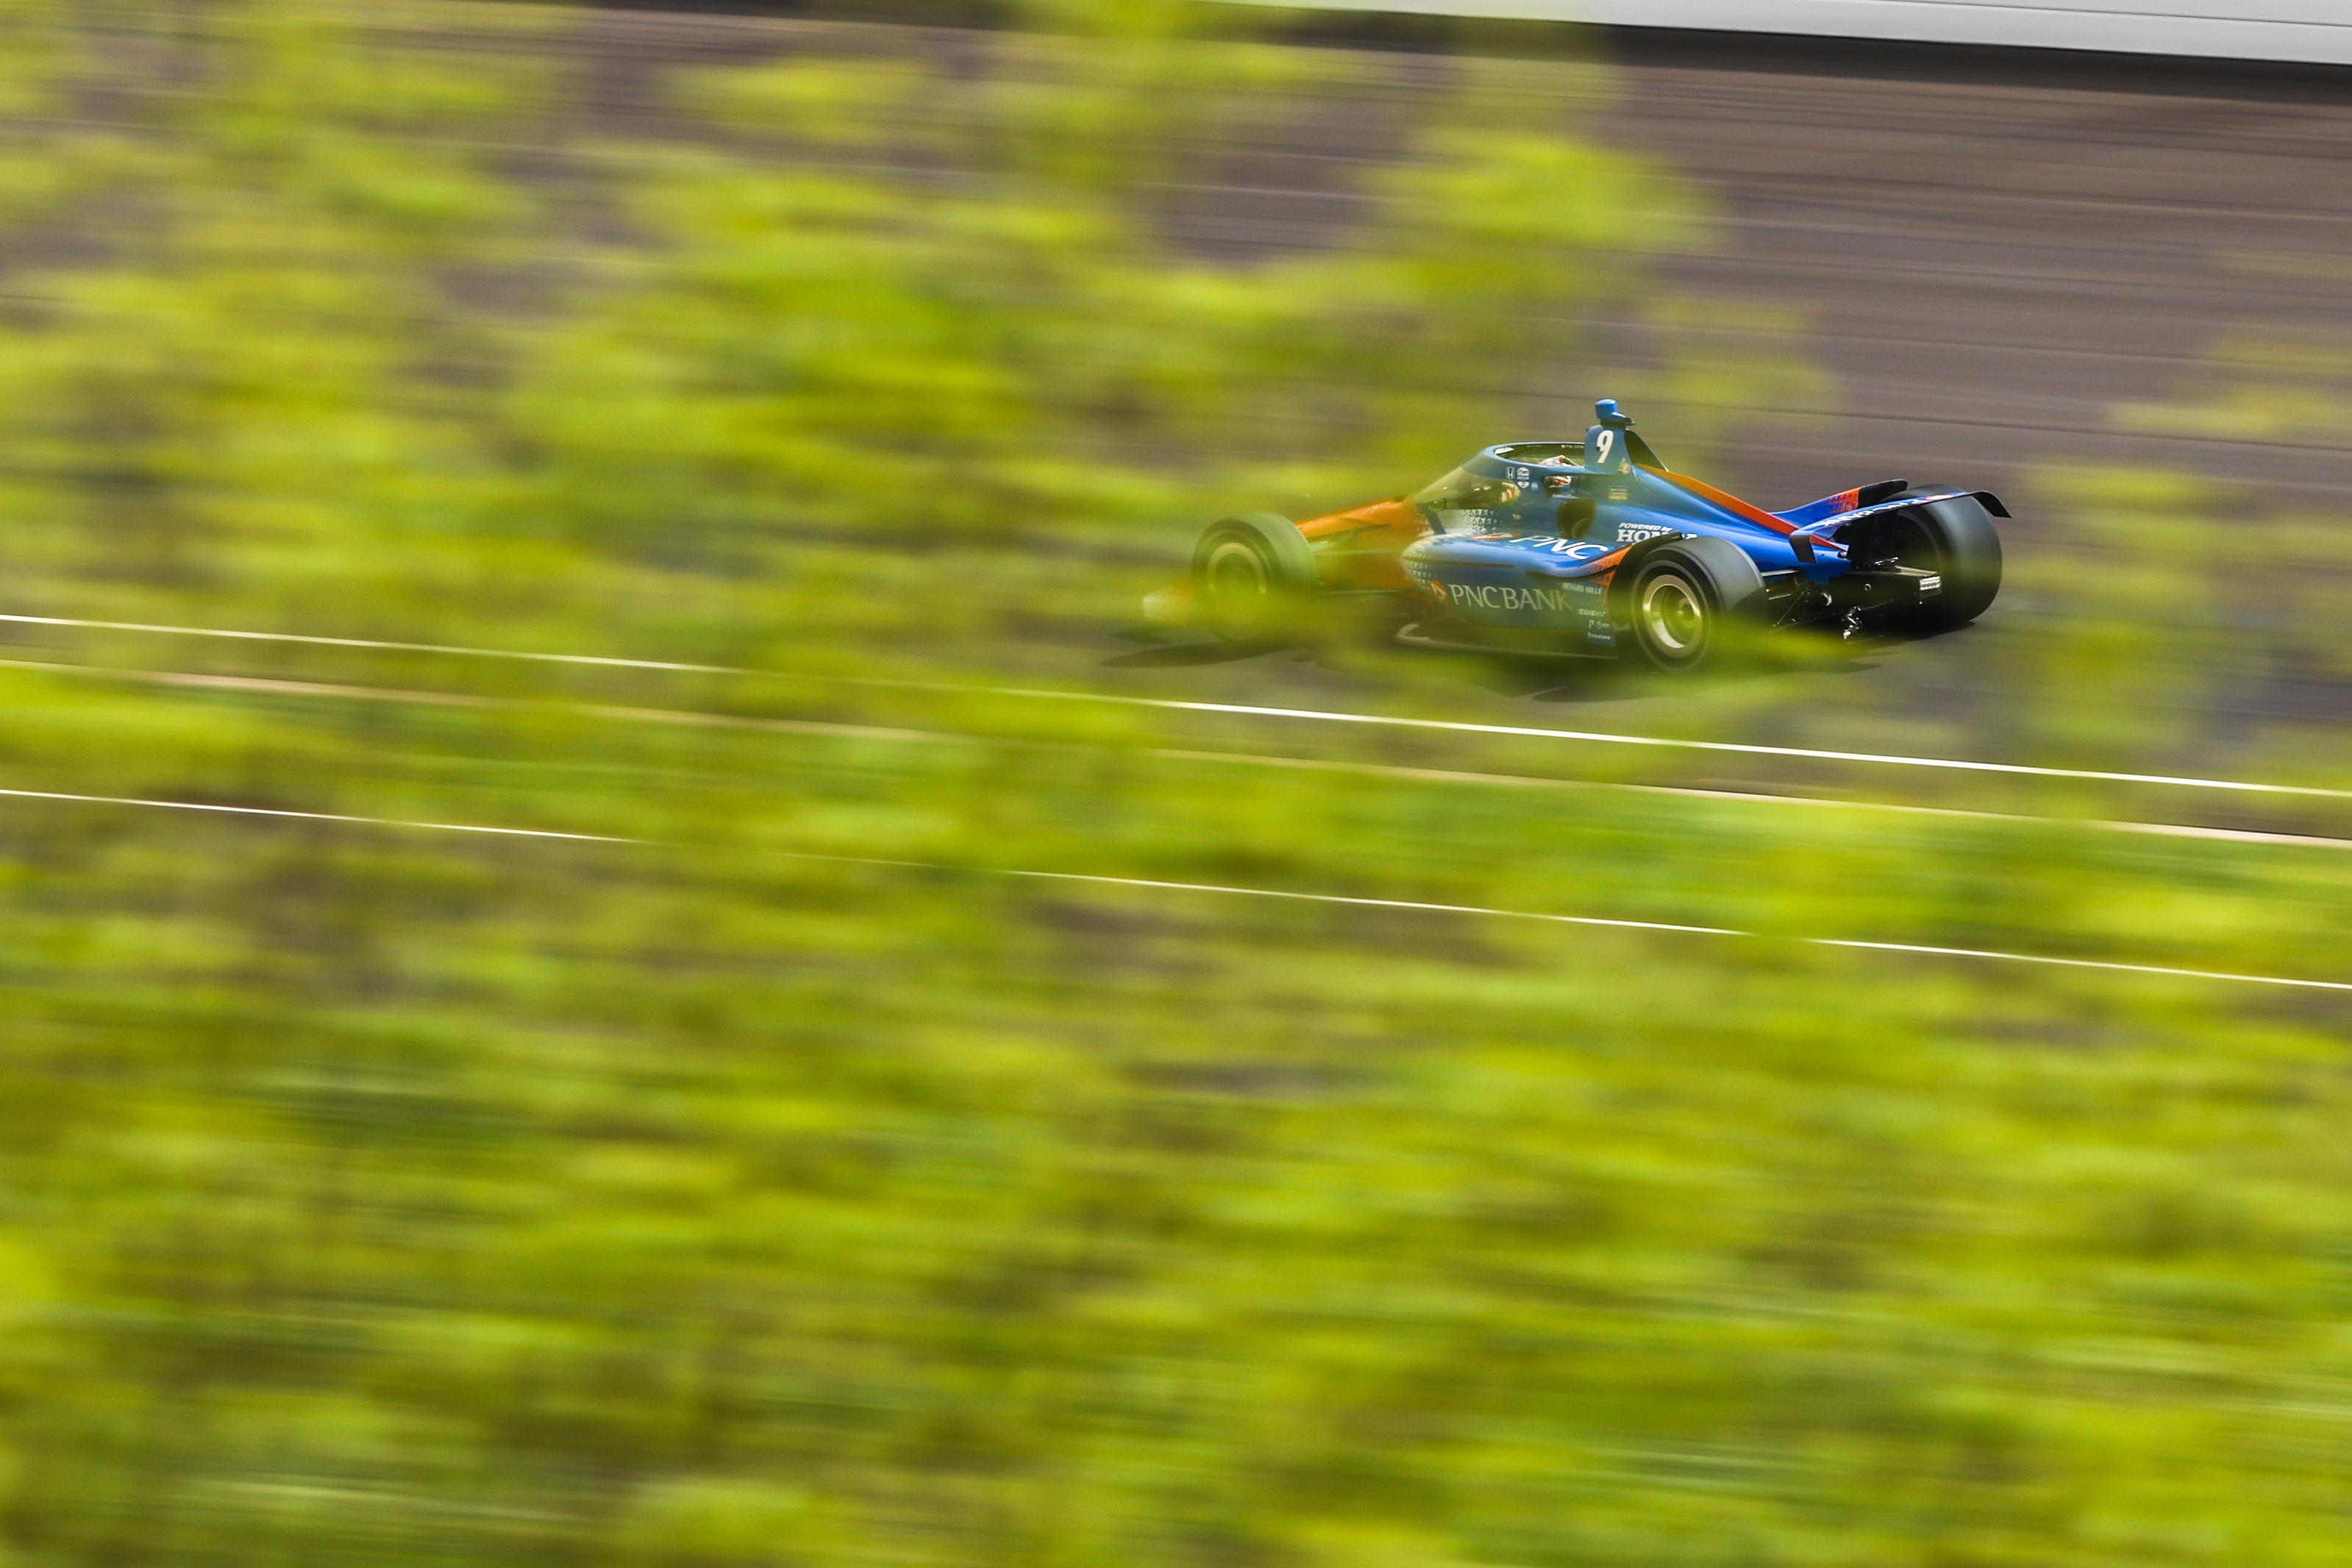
x,y
1692,603
1955,539
1253,578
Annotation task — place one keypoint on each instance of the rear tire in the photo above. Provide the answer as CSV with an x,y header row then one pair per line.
x,y
1695,603
1253,578
1955,539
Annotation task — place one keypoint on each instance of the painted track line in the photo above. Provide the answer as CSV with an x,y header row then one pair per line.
x,y
2072,962
275,685
1320,715
2188,830
286,814
1603,737
375,644
1219,890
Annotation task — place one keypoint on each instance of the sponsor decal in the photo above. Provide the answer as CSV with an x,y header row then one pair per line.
x,y
1897,505
1511,597
1634,532
1546,542
1474,522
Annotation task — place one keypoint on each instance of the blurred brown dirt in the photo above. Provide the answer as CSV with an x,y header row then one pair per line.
x,y
1989,268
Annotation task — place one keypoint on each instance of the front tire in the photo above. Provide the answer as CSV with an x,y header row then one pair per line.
x,y
1694,602
1253,577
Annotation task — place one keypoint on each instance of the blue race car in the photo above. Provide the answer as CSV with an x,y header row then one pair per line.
x,y
1597,547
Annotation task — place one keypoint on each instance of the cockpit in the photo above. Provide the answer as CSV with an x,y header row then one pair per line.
x,y
1463,490
1537,486
1548,454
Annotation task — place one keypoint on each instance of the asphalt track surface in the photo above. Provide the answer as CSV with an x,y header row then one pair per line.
x,y
2291,842
1149,885
1894,760
1226,890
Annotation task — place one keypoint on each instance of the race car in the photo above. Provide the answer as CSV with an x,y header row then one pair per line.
x,y
1596,547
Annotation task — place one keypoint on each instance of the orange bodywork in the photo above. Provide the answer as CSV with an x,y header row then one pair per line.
x,y
1726,499
1361,548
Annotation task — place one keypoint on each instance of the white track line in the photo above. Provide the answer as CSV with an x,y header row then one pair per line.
x,y
1157,885
341,816
2072,962
273,686
1766,798
1215,888
1603,737
377,645
1594,736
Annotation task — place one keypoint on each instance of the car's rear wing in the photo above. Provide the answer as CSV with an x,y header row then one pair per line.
x,y
1827,515
1844,501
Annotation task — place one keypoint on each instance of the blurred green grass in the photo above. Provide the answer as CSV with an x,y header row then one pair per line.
x,y
376,1193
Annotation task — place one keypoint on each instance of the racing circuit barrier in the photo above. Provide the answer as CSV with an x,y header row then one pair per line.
x,y
2305,31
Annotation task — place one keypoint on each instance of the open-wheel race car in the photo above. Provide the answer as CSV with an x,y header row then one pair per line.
x,y
1596,547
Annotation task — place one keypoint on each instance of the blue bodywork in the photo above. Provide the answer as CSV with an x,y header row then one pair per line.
x,y
1574,546
1529,535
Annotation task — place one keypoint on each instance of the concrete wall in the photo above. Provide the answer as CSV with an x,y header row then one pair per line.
x,y
2311,31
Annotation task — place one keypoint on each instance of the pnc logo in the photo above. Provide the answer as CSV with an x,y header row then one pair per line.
x,y
1508,597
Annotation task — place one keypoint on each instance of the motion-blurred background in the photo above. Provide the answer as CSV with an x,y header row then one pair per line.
x,y
781,1085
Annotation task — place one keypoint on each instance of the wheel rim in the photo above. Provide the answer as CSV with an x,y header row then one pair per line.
x,y
1234,579
1674,619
